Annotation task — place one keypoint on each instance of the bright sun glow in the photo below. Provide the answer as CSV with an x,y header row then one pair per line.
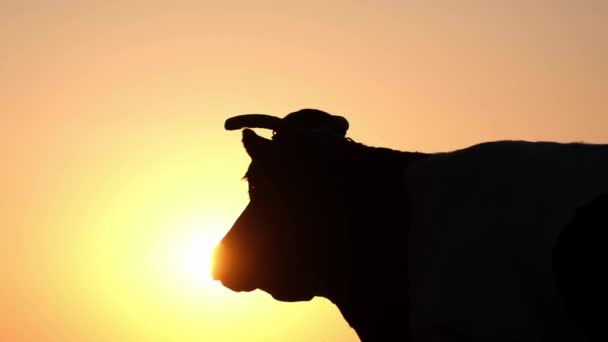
x,y
192,256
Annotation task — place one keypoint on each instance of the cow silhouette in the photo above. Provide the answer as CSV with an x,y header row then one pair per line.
x,y
412,246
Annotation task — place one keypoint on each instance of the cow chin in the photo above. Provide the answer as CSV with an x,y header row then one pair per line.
x,y
283,283
280,292
289,295
293,287
238,286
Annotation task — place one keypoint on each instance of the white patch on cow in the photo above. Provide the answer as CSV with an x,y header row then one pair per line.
x,y
484,220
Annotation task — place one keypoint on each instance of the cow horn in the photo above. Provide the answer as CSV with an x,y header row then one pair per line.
x,y
253,121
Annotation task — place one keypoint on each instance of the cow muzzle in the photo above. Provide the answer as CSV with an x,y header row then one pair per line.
x,y
230,272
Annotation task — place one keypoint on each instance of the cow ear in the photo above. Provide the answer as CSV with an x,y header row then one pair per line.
x,y
255,145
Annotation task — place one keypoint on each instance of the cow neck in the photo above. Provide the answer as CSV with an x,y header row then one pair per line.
x,y
374,300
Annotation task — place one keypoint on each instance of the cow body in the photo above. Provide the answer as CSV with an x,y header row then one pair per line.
x,y
484,222
579,265
420,247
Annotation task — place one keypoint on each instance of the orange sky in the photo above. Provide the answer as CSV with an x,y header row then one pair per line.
x,y
114,156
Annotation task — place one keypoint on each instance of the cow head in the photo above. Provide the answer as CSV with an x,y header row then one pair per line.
x,y
292,238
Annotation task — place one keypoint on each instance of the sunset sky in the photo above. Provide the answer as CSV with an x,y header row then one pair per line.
x,y
116,167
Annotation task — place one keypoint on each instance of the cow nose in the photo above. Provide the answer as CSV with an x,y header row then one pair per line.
x,y
218,261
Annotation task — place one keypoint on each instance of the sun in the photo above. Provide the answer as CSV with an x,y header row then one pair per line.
x,y
194,259
192,256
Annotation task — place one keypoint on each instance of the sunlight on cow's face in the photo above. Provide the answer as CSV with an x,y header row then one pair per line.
x,y
283,241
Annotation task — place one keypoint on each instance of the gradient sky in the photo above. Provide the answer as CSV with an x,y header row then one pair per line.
x,y
114,156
